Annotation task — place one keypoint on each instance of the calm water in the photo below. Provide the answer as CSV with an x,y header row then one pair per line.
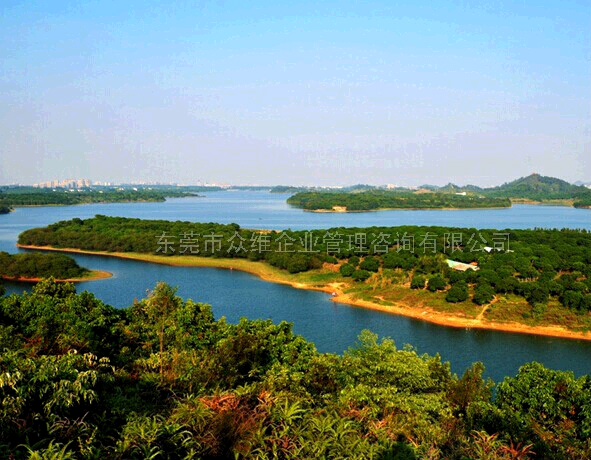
x,y
333,327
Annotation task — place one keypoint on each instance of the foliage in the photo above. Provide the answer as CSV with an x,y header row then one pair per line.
x,y
538,265
436,283
418,282
483,294
458,292
388,199
45,197
347,270
36,265
164,379
361,275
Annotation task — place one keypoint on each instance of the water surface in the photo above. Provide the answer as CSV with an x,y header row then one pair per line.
x,y
332,327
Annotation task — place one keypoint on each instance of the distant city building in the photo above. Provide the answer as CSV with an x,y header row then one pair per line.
x,y
67,183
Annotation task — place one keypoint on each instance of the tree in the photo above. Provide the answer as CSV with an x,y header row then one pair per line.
x,y
548,405
483,294
538,294
361,275
159,308
418,282
371,264
347,270
458,292
436,283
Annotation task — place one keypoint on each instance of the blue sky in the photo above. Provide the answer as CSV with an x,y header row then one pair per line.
x,y
262,92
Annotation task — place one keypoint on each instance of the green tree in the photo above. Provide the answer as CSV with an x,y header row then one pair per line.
x,y
436,283
361,275
483,294
160,307
371,264
347,270
418,282
458,292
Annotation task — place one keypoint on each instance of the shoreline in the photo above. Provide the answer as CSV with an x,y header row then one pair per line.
x,y
356,211
271,274
94,275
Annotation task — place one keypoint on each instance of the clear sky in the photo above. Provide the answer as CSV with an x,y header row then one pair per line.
x,y
310,93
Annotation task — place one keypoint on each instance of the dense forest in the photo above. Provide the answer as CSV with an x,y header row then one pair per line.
x,y
37,265
391,199
540,266
164,379
48,197
4,209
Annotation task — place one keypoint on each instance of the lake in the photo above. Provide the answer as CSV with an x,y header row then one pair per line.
x,y
332,327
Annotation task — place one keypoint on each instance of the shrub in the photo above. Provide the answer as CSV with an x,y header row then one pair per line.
x,y
458,292
371,264
436,283
484,294
418,282
361,275
347,269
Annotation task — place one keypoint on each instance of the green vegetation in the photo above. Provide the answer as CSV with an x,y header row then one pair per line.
x,y
365,198
4,209
37,265
288,189
539,188
388,199
537,266
533,188
164,379
45,197
583,203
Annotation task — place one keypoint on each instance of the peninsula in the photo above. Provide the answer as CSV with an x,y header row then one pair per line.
x,y
530,281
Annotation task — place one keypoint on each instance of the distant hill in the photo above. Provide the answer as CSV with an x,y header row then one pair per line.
x,y
533,187
453,188
539,188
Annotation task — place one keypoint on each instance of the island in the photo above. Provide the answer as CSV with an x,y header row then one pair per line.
x,y
376,200
534,189
28,196
33,267
4,209
529,281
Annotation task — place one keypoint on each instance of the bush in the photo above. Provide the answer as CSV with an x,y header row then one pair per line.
x,y
436,283
399,260
371,264
361,275
354,261
418,282
538,294
484,294
347,269
458,292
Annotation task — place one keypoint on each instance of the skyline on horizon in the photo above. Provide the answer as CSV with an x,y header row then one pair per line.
x,y
88,183
309,94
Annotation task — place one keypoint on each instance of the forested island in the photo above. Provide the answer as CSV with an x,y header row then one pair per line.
x,y
4,209
374,200
35,266
536,281
35,197
165,379
532,189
